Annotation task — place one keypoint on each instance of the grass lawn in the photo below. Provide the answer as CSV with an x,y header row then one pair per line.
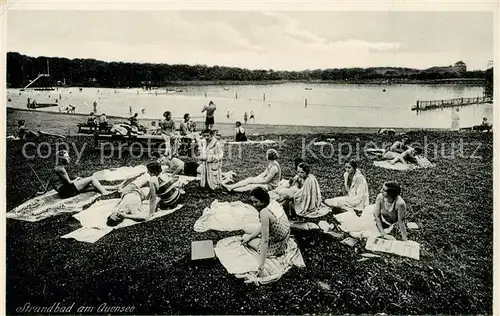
x,y
148,266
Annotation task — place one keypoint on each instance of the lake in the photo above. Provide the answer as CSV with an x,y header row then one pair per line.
x,y
283,104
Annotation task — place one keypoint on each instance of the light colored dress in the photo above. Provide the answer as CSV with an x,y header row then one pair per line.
x,y
279,230
358,195
210,169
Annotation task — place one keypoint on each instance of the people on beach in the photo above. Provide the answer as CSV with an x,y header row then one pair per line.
x,y
134,120
70,187
392,151
26,134
228,114
252,116
168,133
355,184
95,106
187,126
270,237
268,180
484,126
92,120
307,198
210,118
130,110
103,122
154,129
240,133
245,117
288,188
211,161
411,155
389,209
130,205
178,167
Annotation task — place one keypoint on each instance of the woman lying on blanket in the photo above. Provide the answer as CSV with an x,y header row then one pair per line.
x,y
274,228
132,196
68,188
411,155
29,135
269,179
390,208
308,197
357,190
397,148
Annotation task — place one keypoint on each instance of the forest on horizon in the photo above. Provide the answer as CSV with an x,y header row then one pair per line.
x,y
21,69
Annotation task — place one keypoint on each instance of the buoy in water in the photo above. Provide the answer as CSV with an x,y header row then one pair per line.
x,y
383,90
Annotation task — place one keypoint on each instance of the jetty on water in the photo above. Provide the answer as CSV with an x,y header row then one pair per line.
x,y
439,104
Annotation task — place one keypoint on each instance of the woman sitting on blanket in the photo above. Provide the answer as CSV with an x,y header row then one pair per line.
x,y
132,196
306,199
268,180
287,188
270,237
390,208
357,190
69,188
168,131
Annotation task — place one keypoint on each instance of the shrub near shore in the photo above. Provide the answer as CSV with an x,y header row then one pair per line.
x,y
148,266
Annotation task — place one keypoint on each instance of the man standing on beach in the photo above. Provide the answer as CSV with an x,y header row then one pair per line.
x,y
210,119
95,106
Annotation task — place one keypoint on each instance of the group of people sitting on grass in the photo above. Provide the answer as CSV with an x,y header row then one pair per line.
x,y
275,198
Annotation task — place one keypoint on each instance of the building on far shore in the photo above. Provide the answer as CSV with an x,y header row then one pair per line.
x,y
460,67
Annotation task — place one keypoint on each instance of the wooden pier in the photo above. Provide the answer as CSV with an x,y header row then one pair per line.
x,y
439,104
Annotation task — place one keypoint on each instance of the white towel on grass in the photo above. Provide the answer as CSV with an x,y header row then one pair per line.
x,y
227,216
243,261
93,220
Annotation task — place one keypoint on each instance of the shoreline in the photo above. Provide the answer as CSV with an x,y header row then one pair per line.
x,y
225,128
181,83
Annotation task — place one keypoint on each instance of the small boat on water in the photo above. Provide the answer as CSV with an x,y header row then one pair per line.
x,y
44,89
308,88
226,89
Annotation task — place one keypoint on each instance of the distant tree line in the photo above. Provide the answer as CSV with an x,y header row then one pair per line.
x,y
94,73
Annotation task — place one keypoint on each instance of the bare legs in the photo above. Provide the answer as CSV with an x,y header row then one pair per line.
x,y
83,184
245,185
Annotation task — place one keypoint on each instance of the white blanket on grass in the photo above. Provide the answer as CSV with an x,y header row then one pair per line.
x,y
403,167
93,220
243,261
50,204
227,216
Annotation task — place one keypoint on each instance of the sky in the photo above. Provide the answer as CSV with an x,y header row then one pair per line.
x,y
278,40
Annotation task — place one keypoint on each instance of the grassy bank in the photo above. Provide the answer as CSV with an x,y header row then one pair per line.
x,y
55,122
148,266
